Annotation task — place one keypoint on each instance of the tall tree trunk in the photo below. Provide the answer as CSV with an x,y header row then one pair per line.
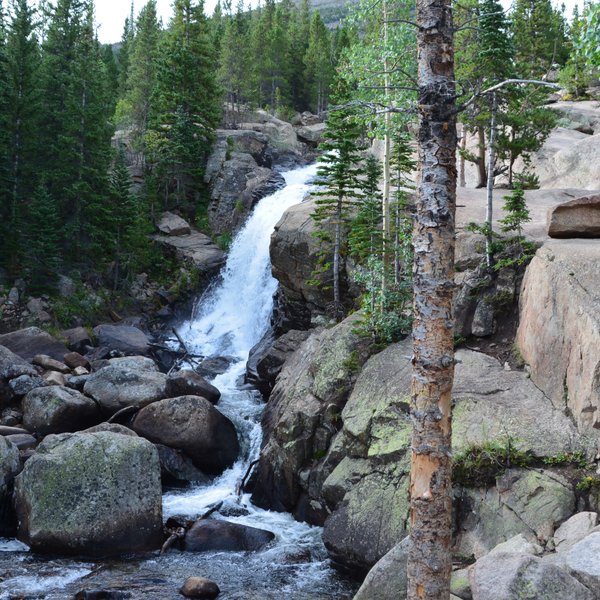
x,y
386,159
336,258
429,563
481,157
463,145
489,206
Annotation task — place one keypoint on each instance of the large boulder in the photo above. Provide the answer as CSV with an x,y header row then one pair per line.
x,y
57,409
13,368
173,225
294,257
505,576
532,502
583,560
93,494
31,341
579,218
302,414
187,382
119,385
191,424
495,406
123,338
196,248
9,467
559,328
387,579
215,535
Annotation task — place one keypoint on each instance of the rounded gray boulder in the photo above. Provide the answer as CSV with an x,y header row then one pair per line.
x,y
90,494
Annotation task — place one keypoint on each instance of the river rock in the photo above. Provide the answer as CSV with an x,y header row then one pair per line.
x,y
74,361
13,368
118,386
57,409
93,494
112,428
387,579
188,383
171,224
531,502
23,441
123,338
55,378
506,576
191,424
579,218
31,341
50,364
311,134
573,530
25,383
177,468
9,467
199,587
558,311
215,535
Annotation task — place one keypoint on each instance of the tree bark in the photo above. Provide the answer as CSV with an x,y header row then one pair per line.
x,y
429,563
481,157
489,205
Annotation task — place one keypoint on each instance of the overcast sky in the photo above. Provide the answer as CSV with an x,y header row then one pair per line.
x,y
111,14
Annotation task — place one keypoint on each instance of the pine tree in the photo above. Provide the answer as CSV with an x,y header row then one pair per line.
x,y
539,35
186,102
23,94
338,174
124,54
141,80
299,34
4,140
41,258
318,62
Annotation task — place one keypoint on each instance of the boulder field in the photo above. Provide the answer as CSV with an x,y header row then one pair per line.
x,y
72,482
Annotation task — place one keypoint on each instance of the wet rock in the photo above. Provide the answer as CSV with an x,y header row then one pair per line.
x,y
92,494
191,424
188,383
104,594
31,341
508,576
77,339
573,530
210,367
8,430
199,587
171,224
387,579
123,338
176,467
117,386
215,535
50,364
9,467
57,409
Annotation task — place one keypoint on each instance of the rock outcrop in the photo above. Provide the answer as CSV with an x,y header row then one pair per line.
x,y
579,218
93,494
559,327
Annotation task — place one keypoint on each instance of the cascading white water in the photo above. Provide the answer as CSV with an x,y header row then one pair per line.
x,y
228,321
232,317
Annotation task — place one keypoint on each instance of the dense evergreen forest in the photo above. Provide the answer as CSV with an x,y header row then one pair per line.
x,y
67,203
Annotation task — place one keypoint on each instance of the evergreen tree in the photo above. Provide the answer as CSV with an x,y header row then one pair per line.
x,y
41,258
124,54
4,139
111,74
22,124
539,35
318,62
186,102
299,34
338,175
575,77
141,80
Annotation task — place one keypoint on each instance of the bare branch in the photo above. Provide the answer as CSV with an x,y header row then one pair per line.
x,y
500,85
405,21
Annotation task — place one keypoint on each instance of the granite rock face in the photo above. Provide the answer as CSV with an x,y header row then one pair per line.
x,y
579,218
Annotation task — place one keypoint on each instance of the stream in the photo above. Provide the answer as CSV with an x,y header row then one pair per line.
x,y
230,318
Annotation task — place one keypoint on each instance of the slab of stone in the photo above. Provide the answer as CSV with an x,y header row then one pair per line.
x,y
173,225
50,364
123,338
197,248
573,530
31,341
583,559
579,218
